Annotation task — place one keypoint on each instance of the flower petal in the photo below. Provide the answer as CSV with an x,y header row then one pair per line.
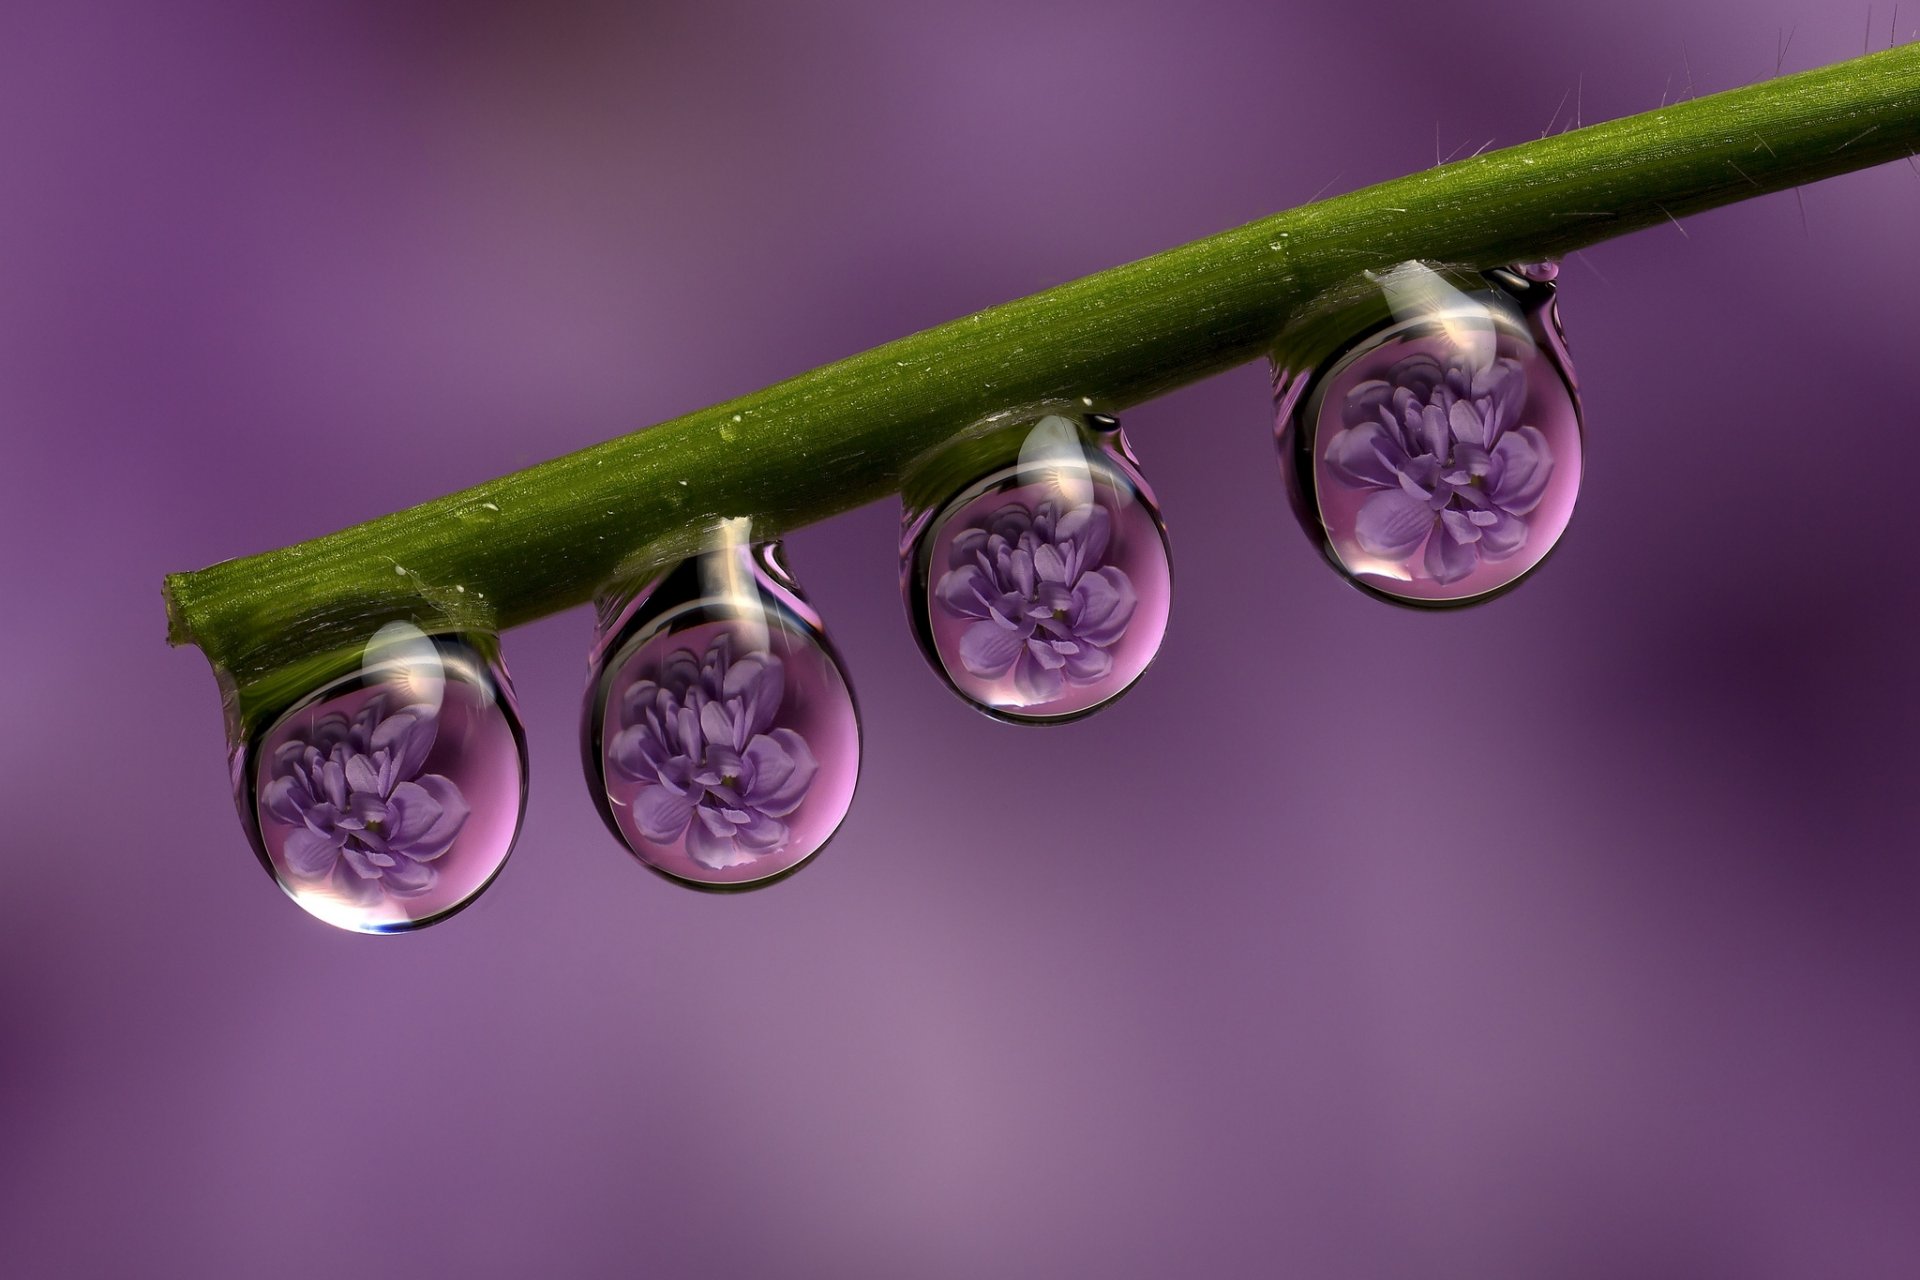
x,y
1365,401
681,670
324,818
1103,605
965,591
1049,564
1367,455
1018,571
661,814
360,862
1089,527
310,854
362,780
1501,388
1459,527
1523,465
1036,683
1466,424
716,852
636,754
759,680
411,813
1448,560
1433,431
1088,665
721,727
988,649
1045,654
1419,374
333,781
721,763
1506,535
760,834
783,770
287,799
407,736
1392,523
408,879
641,697
453,811
966,544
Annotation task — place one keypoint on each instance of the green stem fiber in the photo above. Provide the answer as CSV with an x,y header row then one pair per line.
x,y
540,540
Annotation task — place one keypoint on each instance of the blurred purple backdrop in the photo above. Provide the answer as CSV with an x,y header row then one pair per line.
x,y
1570,937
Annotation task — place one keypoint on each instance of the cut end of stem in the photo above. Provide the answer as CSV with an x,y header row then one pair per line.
x,y
179,631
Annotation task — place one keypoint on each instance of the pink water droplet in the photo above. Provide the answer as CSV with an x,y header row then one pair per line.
x,y
720,736
1035,567
389,797
1434,447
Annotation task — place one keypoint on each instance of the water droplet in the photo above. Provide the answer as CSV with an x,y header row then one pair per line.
x,y
720,737
1430,430
1035,567
388,797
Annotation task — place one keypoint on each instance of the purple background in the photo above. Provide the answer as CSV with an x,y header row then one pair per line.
x,y
1570,937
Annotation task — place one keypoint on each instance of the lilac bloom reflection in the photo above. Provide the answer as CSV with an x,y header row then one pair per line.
x,y
362,813
1046,608
700,736
1454,469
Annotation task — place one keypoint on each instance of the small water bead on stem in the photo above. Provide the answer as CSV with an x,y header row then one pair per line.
x,y
389,797
1035,567
720,737
1430,429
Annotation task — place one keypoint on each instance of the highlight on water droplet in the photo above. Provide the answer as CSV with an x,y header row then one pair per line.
x,y
720,736
389,797
1035,566
1430,429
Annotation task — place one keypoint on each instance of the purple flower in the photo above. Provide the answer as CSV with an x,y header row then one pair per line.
x,y
1453,468
699,736
1045,608
361,810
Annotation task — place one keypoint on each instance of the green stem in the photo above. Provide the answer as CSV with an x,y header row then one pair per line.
x,y
540,540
